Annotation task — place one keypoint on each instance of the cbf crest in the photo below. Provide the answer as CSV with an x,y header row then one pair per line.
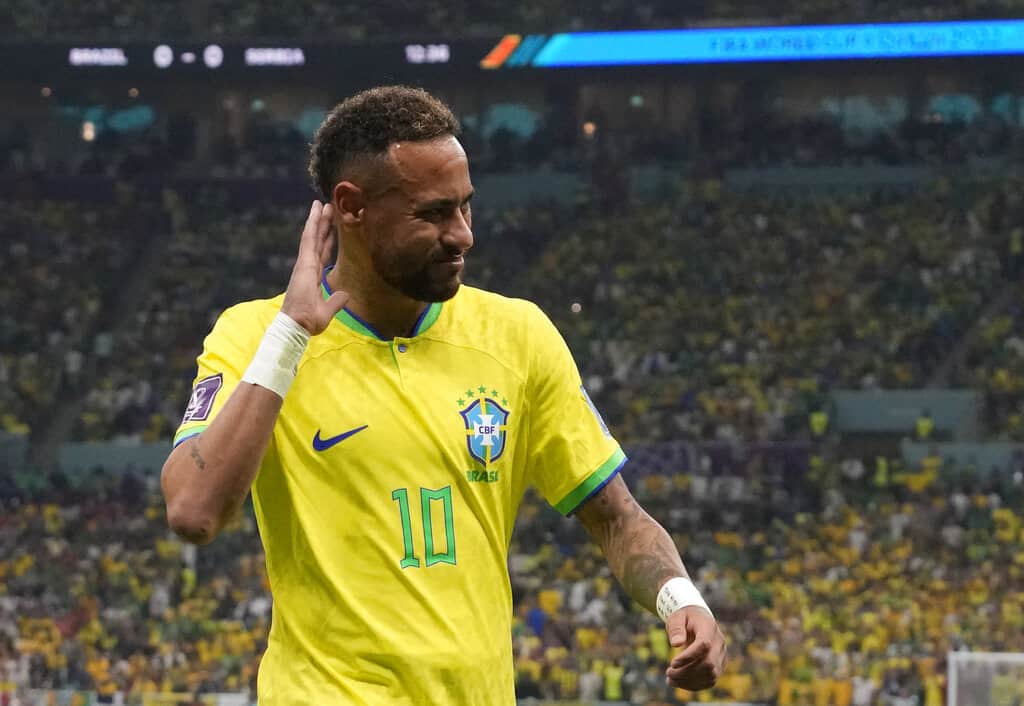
x,y
485,417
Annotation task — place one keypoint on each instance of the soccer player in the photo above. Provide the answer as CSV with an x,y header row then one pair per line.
x,y
388,421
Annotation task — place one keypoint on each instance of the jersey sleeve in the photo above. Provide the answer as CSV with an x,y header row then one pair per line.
x,y
227,351
571,453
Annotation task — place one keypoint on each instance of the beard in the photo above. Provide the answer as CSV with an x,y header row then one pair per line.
x,y
431,281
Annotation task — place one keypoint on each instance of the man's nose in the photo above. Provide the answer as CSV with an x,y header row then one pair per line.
x,y
460,234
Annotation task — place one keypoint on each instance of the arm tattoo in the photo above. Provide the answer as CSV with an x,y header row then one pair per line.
x,y
193,451
639,550
643,576
644,557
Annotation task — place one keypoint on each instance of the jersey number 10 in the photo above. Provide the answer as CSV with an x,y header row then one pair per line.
x,y
427,497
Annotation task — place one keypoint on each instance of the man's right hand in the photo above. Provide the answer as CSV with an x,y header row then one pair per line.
x,y
303,301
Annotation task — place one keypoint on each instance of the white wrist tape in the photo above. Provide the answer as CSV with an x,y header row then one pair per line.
x,y
676,594
277,359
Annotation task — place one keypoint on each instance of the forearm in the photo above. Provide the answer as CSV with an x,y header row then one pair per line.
x,y
643,557
639,551
206,479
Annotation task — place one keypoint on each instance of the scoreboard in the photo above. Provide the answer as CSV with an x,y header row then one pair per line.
x,y
515,52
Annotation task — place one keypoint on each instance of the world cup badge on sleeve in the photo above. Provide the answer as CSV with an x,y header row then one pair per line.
x,y
200,404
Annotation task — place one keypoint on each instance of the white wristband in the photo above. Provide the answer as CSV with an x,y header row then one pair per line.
x,y
277,359
676,594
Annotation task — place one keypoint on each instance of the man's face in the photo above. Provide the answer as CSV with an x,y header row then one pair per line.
x,y
418,230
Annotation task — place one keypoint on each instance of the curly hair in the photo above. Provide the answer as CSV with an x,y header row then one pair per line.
x,y
366,124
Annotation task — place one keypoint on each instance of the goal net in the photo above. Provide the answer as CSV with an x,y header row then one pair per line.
x,y
985,679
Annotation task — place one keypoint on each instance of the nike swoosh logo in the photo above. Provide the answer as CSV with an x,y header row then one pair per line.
x,y
324,444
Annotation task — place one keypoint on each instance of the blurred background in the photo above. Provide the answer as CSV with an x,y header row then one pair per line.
x,y
785,245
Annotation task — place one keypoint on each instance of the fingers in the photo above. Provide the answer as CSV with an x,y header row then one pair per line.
x,y
713,655
703,674
691,682
678,629
336,302
699,664
315,233
303,301
324,225
325,247
704,629
309,230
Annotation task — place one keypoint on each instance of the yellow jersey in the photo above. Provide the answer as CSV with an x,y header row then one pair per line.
x,y
388,493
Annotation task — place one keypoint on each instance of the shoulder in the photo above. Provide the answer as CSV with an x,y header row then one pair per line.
x,y
254,314
483,307
246,320
514,330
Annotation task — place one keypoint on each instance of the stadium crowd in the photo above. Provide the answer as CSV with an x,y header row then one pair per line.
x,y
995,358
702,309
695,327
941,131
830,593
353,21
63,264
708,325
682,330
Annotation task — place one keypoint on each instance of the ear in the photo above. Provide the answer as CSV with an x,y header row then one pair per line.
x,y
349,203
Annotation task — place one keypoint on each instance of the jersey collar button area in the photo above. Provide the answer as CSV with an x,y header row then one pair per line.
x,y
402,348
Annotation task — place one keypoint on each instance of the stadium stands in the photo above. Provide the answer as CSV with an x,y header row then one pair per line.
x,y
881,304
995,359
274,146
699,303
63,263
711,317
316,19
693,322
885,288
95,593
214,256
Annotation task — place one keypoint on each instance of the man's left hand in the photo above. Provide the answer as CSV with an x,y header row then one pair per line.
x,y
701,657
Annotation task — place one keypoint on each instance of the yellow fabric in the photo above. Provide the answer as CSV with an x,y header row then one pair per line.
x,y
658,639
737,686
613,682
924,428
568,680
881,478
819,423
924,478
550,601
588,638
932,691
842,692
821,688
787,692
1007,524
350,624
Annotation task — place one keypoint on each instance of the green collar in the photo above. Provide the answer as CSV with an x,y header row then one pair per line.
x,y
426,320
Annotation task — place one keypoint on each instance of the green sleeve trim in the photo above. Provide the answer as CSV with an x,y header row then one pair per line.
x,y
593,483
189,433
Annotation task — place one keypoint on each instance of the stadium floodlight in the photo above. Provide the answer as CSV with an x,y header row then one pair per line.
x,y
213,56
163,56
983,678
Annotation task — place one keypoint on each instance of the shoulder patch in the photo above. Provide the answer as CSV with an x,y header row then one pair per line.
x,y
203,394
593,408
